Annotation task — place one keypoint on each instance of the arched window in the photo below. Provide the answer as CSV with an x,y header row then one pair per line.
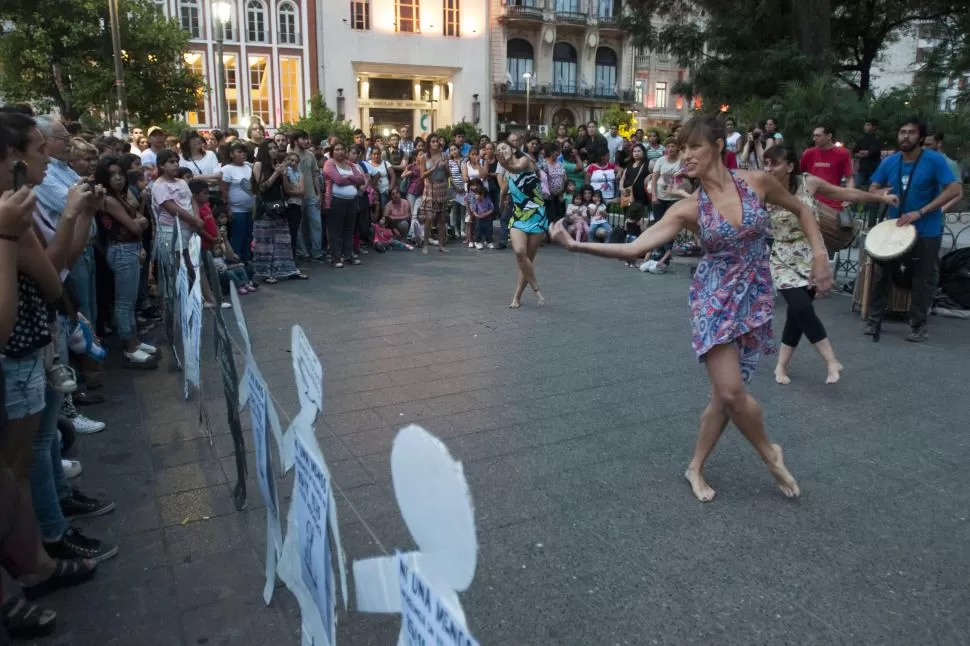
x,y
519,58
605,72
255,21
564,68
189,17
289,34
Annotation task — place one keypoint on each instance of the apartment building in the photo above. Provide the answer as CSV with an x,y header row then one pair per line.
x,y
558,61
421,63
901,60
268,51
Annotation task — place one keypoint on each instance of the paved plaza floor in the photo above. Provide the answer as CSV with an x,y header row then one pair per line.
x,y
574,423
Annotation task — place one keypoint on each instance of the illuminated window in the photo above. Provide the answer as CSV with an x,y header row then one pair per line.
x,y
255,21
232,87
195,61
408,16
660,94
564,68
259,88
289,35
290,89
189,17
451,18
360,14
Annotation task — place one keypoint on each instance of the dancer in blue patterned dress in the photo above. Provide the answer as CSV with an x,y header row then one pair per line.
x,y
731,294
529,223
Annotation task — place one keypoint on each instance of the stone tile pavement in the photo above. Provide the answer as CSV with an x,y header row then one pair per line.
x,y
574,423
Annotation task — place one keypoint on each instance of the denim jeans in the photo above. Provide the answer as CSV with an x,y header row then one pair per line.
x,y
241,234
312,228
458,217
83,274
484,230
123,260
47,481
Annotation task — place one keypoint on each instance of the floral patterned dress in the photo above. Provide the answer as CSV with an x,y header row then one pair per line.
x,y
731,298
791,253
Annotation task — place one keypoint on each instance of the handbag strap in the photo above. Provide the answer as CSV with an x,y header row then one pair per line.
x,y
904,191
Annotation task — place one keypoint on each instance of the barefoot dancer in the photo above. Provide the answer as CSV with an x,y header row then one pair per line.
x,y
529,223
791,258
730,297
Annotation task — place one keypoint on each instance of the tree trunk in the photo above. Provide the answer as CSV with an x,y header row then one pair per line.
x,y
813,31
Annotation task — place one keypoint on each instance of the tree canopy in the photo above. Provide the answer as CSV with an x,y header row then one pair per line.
x,y
58,53
751,48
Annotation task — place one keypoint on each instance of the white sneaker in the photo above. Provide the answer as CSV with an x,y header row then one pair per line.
x,y
479,245
147,348
659,268
471,245
226,305
647,266
140,359
72,468
85,426
62,378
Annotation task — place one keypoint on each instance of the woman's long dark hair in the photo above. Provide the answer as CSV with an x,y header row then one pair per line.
x,y
783,154
102,176
266,160
185,146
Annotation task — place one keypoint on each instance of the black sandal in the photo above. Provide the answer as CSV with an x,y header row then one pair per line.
x,y
23,620
67,573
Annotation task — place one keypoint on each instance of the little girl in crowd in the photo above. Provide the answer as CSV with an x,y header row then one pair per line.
x,y
575,219
228,264
599,227
387,238
480,206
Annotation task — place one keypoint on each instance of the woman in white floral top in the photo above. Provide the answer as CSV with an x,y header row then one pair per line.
x,y
791,259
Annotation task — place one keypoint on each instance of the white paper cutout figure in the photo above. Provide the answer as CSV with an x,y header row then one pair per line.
x,y
309,374
437,508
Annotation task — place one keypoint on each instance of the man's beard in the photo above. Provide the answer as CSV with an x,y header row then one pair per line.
x,y
906,146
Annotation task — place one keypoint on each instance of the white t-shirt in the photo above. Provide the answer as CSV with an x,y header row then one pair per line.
x,y
603,179
347,191
240,180
380,171
208,165
149,158
732,141
667,172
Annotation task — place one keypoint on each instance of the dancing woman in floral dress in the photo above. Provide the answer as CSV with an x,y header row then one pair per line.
x,y
731,294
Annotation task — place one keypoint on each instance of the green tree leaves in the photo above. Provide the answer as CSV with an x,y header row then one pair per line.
x,y
58,53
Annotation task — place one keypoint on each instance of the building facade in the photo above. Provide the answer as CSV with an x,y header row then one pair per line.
x,y
268,53
558,61
656,76
421,63
901,60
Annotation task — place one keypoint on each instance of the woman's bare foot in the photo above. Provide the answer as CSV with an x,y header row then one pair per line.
x,y
835,372
515,304
785,480
781,376
702,491
540,301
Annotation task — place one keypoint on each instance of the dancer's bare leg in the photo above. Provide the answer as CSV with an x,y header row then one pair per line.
x,y
520,245
714,420
824,348
534,242
724,370
781,368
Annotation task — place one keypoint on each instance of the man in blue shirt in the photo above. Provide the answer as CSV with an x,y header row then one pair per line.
x,y
924,183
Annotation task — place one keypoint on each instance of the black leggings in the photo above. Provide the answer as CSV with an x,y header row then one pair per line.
x,y
802,318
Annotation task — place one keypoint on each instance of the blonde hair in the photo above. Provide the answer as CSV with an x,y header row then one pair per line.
x,y
81,148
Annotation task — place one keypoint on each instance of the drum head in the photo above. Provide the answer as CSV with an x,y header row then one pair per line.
x,y
886,241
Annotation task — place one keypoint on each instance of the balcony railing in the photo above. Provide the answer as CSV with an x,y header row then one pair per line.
x,y
608,21
571,17
607,92
526,10
564,89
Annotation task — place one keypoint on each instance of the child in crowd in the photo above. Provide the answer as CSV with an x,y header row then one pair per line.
x,y
599,227
385,238
480,206
568,192
575,220
183,174
209,233
633,226
228,264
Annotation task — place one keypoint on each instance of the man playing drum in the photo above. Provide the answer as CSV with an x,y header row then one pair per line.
x,y
924,183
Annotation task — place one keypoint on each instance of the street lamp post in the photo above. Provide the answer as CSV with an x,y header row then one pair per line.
x,y
119,69
221,11
528,88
